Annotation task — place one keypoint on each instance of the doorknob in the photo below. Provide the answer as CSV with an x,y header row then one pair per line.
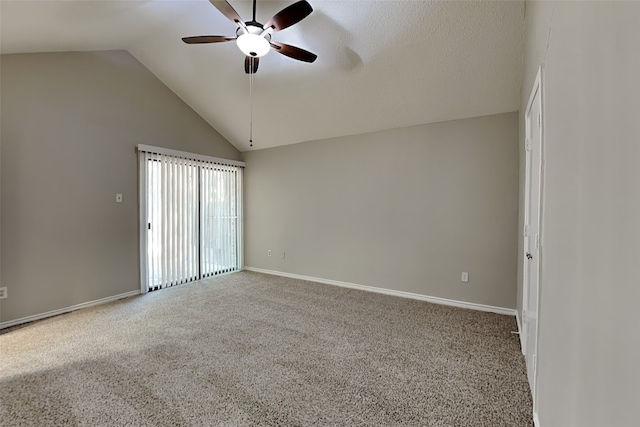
x,y
529,256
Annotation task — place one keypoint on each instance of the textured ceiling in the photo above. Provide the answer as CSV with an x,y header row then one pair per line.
x,y
381,64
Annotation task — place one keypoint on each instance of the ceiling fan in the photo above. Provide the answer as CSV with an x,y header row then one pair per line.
x,y
254,39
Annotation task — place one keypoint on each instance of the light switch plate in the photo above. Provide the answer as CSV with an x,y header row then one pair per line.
x,y
118,198
465,277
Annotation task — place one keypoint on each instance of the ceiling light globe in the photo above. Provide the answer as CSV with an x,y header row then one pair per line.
x,y
253,45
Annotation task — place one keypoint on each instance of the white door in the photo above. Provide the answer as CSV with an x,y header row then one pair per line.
x,y
531,255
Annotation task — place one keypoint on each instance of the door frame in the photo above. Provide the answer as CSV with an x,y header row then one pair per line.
x,y
536,89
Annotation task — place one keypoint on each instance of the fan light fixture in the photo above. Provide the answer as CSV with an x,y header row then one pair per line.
x,y
252,44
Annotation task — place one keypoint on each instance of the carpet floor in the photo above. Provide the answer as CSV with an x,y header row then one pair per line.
x,y
248,349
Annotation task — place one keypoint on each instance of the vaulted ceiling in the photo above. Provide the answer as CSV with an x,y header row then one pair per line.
x,y
381,64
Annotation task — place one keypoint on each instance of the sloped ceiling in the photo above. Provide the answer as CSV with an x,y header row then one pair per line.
x,y
381,64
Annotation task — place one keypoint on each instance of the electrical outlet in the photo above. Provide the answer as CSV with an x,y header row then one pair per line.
x,y
269,252
465,277
3,293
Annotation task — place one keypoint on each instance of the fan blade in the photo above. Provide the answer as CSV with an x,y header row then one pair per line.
x,y
206,39
227,10
251,62
294,52
290,15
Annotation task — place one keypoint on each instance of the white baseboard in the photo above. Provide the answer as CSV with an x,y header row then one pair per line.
x,y
67,309
536,420
435,300
520,331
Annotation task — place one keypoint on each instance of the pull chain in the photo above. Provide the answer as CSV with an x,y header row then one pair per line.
x,y
251,106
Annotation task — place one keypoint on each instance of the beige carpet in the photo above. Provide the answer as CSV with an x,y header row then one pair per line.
x,y
248,349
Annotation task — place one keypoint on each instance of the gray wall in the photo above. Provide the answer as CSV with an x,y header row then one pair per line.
x,y
588,369
70,122
406,209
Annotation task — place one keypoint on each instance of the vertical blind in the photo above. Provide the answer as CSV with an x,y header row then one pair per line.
x,y
190,217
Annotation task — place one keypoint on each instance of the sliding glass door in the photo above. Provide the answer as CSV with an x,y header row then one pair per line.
x,y
172,222
219,220
191,215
